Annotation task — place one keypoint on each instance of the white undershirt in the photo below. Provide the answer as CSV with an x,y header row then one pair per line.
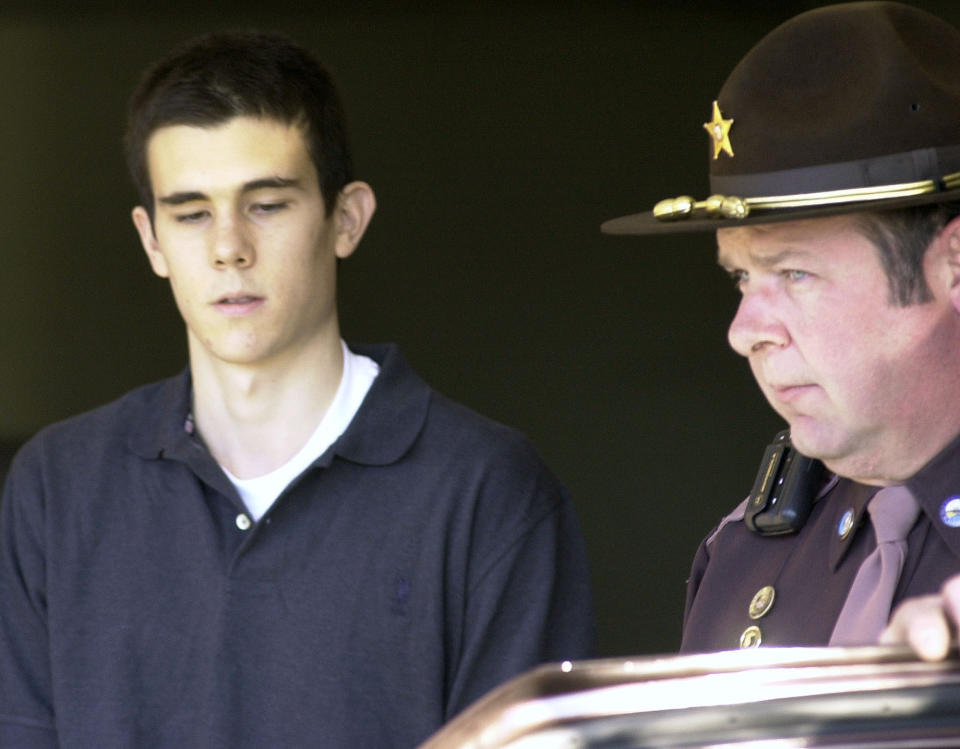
x,y
359,372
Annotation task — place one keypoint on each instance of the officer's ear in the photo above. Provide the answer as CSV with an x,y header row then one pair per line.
x,y
950,235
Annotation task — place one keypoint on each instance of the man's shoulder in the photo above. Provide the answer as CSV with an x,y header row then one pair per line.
x,y
461,426
432,420
103,426
486,478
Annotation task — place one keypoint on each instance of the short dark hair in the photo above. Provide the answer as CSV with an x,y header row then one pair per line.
x,y
223,75
902,237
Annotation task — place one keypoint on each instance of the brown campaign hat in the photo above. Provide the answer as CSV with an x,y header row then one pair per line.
x,y
845,108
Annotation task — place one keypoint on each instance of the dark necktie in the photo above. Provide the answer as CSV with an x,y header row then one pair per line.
x,y
893,511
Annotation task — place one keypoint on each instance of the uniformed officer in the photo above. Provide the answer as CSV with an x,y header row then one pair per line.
x,y
834,153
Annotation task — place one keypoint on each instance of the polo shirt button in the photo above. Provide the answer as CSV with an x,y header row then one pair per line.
x,y
243,521
762,602
751,637
845,525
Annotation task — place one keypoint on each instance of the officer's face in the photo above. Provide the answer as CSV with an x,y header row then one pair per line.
x,y
862,383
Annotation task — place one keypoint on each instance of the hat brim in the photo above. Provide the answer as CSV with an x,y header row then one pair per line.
x,y
646,223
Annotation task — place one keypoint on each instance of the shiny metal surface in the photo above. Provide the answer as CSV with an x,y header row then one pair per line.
x,y
769,697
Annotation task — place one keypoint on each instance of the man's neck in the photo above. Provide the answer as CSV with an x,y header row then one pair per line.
x,y
253,419
901,461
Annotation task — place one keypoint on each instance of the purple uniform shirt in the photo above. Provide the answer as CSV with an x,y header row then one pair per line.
x,y
810,572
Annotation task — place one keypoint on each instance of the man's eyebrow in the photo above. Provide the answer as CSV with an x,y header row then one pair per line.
x,y
178,198
259,184
188,196
765,259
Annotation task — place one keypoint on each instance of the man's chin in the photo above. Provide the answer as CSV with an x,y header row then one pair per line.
x,y
810,439
841,456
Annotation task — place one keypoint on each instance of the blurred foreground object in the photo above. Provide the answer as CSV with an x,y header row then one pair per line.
x,y
775,697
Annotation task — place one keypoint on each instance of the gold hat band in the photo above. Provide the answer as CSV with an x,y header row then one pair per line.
x,y
730,206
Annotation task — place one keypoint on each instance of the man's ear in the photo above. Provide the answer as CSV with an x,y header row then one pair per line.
x,y
950,236
141,219
354,209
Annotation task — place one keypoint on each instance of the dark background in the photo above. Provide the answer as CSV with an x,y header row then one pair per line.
x,y
498,136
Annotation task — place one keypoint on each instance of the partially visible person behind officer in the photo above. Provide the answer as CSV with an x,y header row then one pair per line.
x,y
834,153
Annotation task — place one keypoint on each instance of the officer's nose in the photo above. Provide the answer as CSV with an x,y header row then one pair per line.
x,y
756,324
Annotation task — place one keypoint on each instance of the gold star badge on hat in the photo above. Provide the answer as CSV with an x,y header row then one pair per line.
x,y
719,131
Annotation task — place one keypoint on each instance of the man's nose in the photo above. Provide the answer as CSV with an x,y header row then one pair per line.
x,y
756,324
231,245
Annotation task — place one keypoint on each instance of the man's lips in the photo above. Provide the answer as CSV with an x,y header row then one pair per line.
x,y
238,303
788,393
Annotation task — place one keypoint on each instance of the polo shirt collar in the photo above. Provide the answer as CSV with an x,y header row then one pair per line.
x,y
391,416
388,423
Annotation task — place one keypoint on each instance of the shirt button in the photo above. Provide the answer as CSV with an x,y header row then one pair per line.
x,y
243,522
845,525
762,602
751,637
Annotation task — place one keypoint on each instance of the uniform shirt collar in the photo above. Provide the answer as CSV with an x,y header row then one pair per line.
x,y
847,511
936,487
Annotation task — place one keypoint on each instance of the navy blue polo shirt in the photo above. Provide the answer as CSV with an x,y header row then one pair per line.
x,y
426,557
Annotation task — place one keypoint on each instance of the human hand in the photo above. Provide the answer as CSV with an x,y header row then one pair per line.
x,y
926,623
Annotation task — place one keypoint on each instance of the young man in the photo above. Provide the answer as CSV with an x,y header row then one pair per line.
x,y
835,159
294,543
